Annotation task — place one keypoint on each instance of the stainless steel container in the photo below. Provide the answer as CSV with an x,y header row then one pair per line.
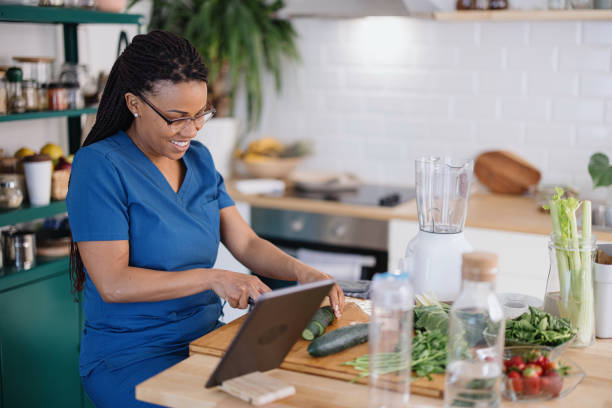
x,y
8,246
25,249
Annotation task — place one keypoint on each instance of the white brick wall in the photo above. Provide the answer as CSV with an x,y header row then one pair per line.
x,y
376,93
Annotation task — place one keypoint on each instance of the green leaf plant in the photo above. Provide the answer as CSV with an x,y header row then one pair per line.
x,y
600,170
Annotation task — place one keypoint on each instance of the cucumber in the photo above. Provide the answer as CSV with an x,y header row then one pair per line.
x,y
339,339
321,319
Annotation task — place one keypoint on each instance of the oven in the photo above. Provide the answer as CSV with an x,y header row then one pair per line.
x,y
347,248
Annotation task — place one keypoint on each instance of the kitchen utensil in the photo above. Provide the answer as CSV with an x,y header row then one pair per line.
x,y
603,294
433,256
8,246
505,173
25,249
216,342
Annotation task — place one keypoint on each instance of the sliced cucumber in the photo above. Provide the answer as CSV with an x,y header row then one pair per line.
x,y
322,318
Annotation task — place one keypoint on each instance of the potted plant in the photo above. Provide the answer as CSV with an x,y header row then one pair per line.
x,y
601,174
239,40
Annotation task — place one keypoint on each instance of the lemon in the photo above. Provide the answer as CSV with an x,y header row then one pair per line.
x,y
24,152
52,150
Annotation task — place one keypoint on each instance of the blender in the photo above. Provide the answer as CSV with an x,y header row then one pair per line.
x,y
433,256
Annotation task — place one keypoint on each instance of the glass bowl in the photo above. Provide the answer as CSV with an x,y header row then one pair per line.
x,y
570,380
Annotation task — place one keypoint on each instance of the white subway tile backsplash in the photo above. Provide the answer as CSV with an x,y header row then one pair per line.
x,y
475,107
552,83
503,33
578,110
462,33
532,59
524,108
554,33
374,95
596,85
597,32
547,135
501,83
599,137
502,132
452,81
586,59
479,57
453,131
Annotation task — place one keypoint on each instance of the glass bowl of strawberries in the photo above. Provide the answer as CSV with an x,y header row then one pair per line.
x,y
534,373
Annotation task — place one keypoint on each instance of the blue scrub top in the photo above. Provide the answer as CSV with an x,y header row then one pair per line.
x,y
117,193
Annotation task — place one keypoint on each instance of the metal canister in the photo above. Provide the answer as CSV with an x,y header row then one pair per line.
x,y
25,249
8,248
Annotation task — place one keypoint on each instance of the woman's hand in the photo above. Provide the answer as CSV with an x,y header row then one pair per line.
x,y
237,287
336,295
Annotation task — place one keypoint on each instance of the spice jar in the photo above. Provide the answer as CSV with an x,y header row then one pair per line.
x,y
30,94
3,95
16,101
11,195
58,99
43,97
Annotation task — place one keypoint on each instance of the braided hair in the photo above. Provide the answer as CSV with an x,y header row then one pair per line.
x,y
150,58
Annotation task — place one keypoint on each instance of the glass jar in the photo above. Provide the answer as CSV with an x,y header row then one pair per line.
x,y
36,68
74,95
569,288
11,195
57,96
43,97
3,94
30,93
476,332
16,100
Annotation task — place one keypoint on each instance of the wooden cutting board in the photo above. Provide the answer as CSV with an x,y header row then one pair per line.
x,y
505,173
216,342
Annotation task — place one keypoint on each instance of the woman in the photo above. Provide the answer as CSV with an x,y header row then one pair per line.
x,y
147,210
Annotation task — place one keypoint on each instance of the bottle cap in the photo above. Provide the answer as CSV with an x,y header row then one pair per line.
x,y
479,266
14,74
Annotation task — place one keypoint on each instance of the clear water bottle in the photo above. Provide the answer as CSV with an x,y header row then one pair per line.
x,y
475,337
390,340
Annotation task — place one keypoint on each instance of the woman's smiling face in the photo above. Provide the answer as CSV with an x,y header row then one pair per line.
x,y
154,136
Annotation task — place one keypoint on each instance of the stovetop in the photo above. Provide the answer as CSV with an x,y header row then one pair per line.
x,y
366,194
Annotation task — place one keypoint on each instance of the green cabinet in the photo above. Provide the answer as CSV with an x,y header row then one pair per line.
x,y
39,341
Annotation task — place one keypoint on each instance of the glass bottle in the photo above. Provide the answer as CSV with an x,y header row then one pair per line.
x,y
10,194
498,4
475,337
464,4
3,94
16,100
390,340
30,93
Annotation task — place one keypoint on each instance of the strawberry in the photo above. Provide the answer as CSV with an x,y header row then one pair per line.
x,y
542,361
533,356
551,383
515,380
531,381
516,362
551,365
535,367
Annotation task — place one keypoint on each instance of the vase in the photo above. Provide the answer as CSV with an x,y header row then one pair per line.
x,y
569,288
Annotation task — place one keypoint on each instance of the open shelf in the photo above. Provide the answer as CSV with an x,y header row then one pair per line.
x,y
45,267
47,114
26,213
523,15
55,15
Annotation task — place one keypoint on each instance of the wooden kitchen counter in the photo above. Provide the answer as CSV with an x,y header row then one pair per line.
x,y
485,210
182,386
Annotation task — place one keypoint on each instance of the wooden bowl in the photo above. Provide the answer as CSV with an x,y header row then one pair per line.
x,y
273,168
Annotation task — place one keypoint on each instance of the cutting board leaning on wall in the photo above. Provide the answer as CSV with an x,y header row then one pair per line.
x,y
504,172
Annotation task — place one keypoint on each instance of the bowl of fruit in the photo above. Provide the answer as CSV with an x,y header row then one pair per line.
x,y
532,373
270,158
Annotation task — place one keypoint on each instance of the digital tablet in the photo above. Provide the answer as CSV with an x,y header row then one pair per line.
x,y
270,330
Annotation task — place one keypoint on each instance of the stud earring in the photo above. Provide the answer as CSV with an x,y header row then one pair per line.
x,y
135,114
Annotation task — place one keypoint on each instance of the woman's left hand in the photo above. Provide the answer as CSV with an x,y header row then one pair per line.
x,y
336,295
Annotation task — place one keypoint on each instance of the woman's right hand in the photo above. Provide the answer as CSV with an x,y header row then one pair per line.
x,y
237,288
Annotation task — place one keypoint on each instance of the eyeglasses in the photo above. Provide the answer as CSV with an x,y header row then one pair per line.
x,y
178,124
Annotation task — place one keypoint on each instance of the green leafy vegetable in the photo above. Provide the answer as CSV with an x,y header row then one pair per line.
x,y
600,170
428,357
538,328
431,317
